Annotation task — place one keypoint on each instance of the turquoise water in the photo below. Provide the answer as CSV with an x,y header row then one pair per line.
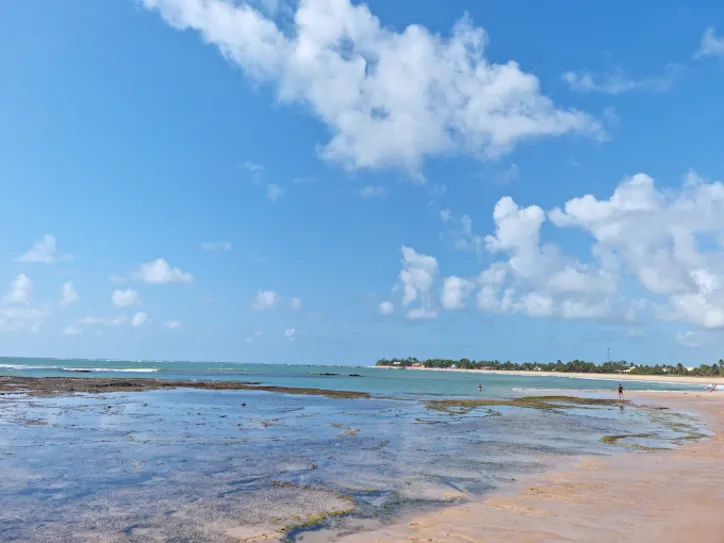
x,y
372,380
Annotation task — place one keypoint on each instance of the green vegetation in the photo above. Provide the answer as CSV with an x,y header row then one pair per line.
x,y
48,386
617,440
461,406
574,366
314,520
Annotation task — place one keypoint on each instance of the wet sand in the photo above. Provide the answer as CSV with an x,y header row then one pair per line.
x,y
50,386
664,496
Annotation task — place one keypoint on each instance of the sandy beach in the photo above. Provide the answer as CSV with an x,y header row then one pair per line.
x,y
704,381
664,496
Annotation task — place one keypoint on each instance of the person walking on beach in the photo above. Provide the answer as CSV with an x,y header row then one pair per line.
x,y
620,391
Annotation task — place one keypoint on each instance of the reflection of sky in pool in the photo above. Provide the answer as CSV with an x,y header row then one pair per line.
x,y
191,465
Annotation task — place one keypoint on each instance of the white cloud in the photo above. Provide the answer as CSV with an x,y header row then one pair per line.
x,y
420,313
416,280
670,243
663,248
125,298
455,291
21,289
44,252
274,192
386,308
15,319
388,98
295,304
290,334
72,330
617,82
711,44
103,321
215,246
660,237
159,272
138,319
172,325
372,191
70,296
265,299
689,339
461,236
249,165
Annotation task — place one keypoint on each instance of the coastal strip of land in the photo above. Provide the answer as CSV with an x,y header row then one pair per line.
x,y
664,496
51,386
703,381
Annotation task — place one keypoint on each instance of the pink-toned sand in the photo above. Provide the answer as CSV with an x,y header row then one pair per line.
x,y
674,496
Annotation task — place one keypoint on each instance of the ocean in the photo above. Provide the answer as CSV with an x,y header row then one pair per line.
x,y
227,465
366,379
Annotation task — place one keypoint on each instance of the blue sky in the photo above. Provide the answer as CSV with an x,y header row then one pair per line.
x,y
326,181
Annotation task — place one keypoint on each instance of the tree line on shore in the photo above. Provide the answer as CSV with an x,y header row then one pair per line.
x,y
574,366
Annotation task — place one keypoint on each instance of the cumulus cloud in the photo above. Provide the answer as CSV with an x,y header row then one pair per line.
x,y
16,313
69,296
264,299
711,44
455,291
125,298
172,325
617,82
20,293
373,191
663,248
15,319
159,272
386,308
139,319
274,192
290,334
416,279
388,98
215,246
295,304
661,239
44,252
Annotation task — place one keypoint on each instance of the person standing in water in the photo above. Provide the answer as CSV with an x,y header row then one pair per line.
x,y
480,388
620,391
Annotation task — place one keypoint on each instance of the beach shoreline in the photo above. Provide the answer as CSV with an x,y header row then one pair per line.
x,y
664,496
672,379
604,491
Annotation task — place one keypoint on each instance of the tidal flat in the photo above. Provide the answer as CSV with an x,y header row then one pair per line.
x,y
206,464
